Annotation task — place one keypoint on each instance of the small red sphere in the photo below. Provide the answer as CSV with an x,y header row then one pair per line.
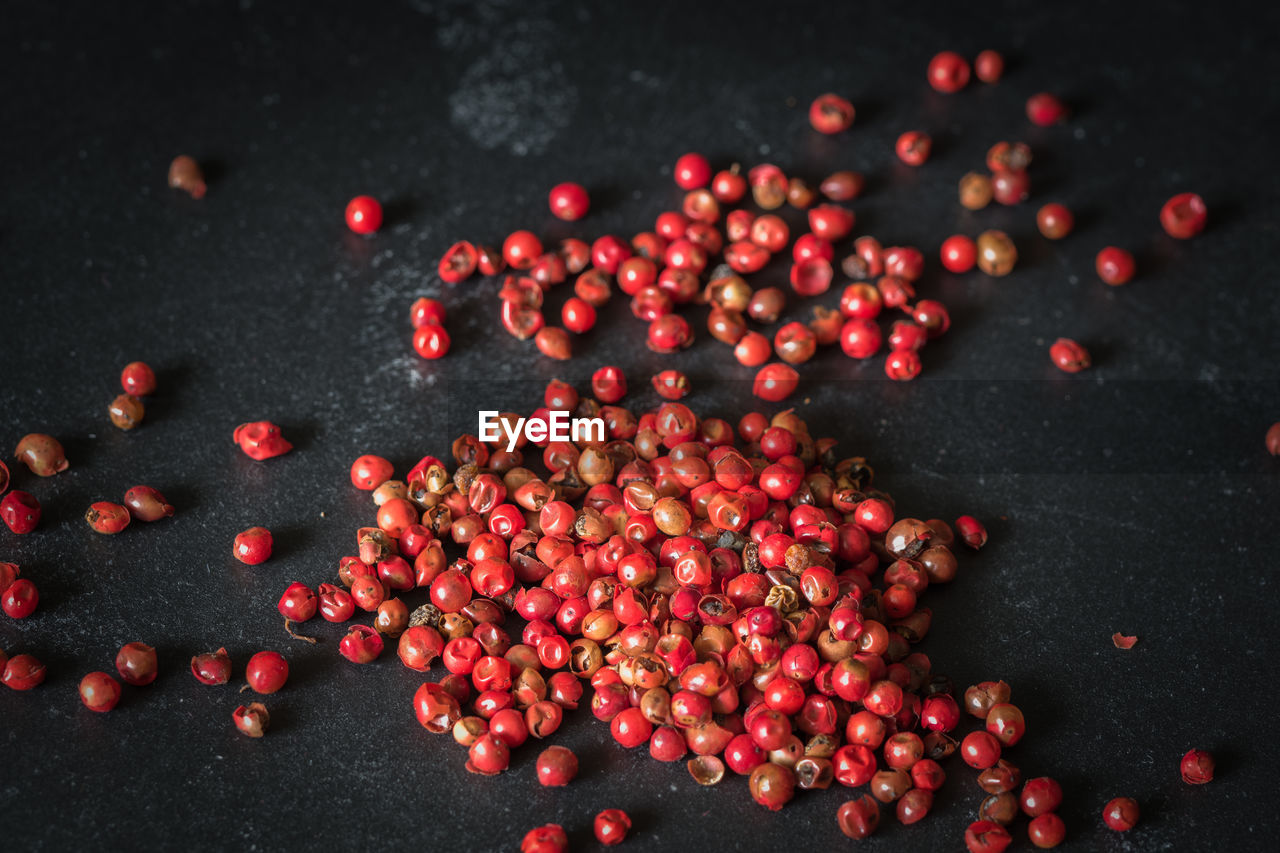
x,y
364,214
20,600
99,692
23,672
20,511
138,379
431,341
1069,356
577,315
902,365
370,471
1055,221
136,663
267,672
1039,796
569,201
1184,216
1120,814
556,766
521,249
611,827
426,311
987,836
959,253
1115,266
1045,109
980,750
545,839
1197,767
252,546
775,382
860,338
831,113
692,171
1047,831
988,66
948,72
913,147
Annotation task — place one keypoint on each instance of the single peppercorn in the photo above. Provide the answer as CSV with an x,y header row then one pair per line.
x,y
545,839
136,663
23,672
261,440
42,454
253,720
1197,767
364,214
913,147
1045,109
996,253
1120,814
147,504
859,818
185,175
948,72
107,517
1115,266
556,767
958,253
830,114
985,836
1272,439
266,672
611,827
1184,216
975,191
431,341
253,546
20,599
1040,795
20,511
1055,221
1069,356
1046,831
99,692
988,66
569,201
138,379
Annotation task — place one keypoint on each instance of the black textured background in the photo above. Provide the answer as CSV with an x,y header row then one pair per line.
x,y
1136,497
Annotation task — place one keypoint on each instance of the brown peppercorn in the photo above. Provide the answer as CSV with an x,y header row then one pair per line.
x,y
975,190
842,186
41,453
996,253
126,411
185,174
1002,808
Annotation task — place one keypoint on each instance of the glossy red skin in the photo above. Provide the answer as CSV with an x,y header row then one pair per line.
x,y
364,214
23,672
261,440
136,663
107,517
20,599
99,692
267,672
20,511
253,546
138,379
212,667
369,471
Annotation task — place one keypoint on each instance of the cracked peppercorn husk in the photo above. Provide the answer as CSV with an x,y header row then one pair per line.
x,y
427,615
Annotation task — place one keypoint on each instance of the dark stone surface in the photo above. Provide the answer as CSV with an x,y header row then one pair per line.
x,y
1135,498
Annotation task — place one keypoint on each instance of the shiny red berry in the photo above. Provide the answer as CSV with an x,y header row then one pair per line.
x,y
136,663
1055,221
611,826
458,263
1184,216
775,382
988,66
1197,767
831,113
252,546
212,667
569,201
948,72
902,365
23,672
692,171
138,379
545,839
426,311
261,440
20,511
577,315
913,147
556,767
1115,266
959,253
1045,109
364,214
431,341
107,517
370,471
99,692
1069,356
521,249
20,599
267,672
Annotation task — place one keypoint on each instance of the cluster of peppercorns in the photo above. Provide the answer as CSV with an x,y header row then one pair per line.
x,y
126,410
610,827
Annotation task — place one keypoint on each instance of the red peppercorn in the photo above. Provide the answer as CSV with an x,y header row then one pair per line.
x,y
545,839
364,214
266,673
1120,814
1197,767
630,728
775,382
185,175
1184,216
569,201
490,261
488,756
913,147
669,333
107,517
728,186
609,384
369,471
611,827
1039,795
948,72
251,721
902,365
521,249
1273,439
99,692
1045,109
772,785
577,315
959,253
671,384
859,818
1069,356
138,379
860,338
147,504
692,171
1055,221
988,66
980,750
136,663
252,546
1047,831
426,311
830,113
20,511
20,599
261,440
361,644
1011,187
458,262
212,667
556,767
23,672
1115,266
554,342
986,836
431,341
42,454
